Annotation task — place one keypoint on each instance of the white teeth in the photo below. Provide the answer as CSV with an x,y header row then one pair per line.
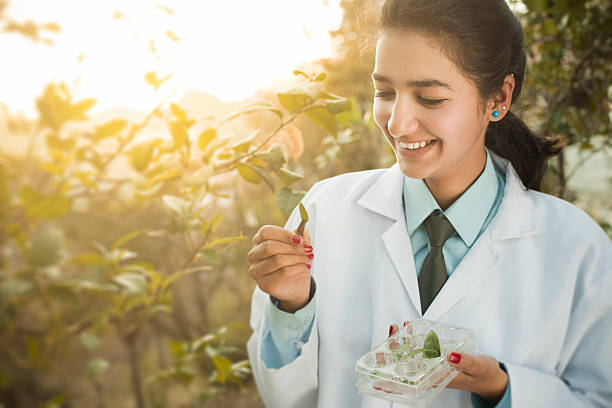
x,y
413,146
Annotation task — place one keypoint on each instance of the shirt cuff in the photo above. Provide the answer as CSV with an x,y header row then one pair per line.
x,y
291,326
504,402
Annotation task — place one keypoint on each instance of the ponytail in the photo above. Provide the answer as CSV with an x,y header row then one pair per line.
x,y
527,151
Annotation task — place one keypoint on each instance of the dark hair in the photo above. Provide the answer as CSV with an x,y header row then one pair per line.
x,y
485,41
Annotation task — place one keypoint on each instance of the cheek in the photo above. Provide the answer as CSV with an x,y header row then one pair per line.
x,y
381,115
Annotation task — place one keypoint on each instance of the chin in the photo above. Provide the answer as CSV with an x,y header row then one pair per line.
x,y
412,172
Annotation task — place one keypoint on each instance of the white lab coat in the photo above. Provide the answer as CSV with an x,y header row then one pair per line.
x,y
536,287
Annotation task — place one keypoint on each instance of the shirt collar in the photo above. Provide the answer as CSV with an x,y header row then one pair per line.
x,y
467,213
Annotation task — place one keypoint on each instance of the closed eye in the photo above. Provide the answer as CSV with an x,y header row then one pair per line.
x,y
384,94
430,102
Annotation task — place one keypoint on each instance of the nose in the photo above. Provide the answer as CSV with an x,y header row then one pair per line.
x,y
402,121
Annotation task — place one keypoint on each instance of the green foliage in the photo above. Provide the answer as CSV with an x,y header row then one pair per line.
x,y
87,250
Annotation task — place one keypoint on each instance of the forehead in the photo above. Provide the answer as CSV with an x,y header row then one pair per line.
x,y
405,56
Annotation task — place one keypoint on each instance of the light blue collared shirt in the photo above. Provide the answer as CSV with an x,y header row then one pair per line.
x,y
285,333
470,214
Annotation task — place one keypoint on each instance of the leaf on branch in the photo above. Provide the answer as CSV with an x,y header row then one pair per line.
x,y
243,145
209,255
295,99
248,173
14,287
261,106
288,177
46,248
128,237
109,129
225,241
140,155
133,283
248,170
97,366
90,341
337,106
154,81
176,204
170,34
287,199
178,130
38,205
206,137
302,73
321,116
78,111
274,156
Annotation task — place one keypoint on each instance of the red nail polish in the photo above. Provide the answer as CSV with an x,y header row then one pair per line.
x,y
455,358
308,266
311,256
390,330
307,250
296,239
307,246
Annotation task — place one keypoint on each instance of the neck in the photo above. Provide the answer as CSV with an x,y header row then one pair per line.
x,y
448,188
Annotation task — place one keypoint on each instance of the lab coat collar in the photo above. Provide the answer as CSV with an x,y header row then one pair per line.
x,y
515,218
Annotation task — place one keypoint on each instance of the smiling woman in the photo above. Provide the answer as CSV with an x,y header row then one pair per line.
x,y
228,49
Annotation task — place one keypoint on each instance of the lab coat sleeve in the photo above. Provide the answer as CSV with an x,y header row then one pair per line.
x,y
294,385
285,333
583,375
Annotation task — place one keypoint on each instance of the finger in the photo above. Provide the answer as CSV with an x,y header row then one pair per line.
x,y
284,281
275,263
270,248
393,329
275,233
306,236
406,322
471,365
462,381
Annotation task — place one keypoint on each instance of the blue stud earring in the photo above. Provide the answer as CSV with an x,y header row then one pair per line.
x,y
495,113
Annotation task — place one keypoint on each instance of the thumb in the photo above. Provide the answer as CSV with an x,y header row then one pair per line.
x,y
467,363
305,236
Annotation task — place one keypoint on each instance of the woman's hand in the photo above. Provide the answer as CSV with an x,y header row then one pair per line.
x,y
280,263
479,374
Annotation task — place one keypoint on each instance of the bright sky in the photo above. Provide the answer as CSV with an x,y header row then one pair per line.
x,y
228,48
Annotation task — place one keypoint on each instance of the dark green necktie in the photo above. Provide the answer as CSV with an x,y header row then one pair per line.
x,y
433,272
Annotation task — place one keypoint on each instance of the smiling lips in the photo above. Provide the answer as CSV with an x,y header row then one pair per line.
x,y
415,145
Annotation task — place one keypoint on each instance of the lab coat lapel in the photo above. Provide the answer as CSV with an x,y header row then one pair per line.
x,y
515,218
385,197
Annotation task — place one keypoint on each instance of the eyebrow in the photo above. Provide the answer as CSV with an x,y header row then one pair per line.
x,y
424,83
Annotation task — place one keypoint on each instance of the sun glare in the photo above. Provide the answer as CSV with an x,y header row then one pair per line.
x,y
229,49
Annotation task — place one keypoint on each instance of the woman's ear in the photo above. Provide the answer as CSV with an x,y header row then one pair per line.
x,y
499,104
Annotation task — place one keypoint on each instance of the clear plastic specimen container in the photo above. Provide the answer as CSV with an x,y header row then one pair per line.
x,y
393,372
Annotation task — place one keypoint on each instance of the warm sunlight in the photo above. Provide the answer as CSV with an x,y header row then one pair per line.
x,y
225,48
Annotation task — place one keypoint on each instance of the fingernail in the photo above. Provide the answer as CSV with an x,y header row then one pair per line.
x,y
307,246
296,239
311,256
308,266
455,358
307,250
405,323
390,330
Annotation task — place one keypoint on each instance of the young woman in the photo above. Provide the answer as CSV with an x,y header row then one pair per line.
x,y
529,273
